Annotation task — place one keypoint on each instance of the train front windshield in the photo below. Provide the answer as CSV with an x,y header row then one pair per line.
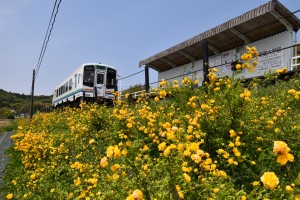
x,y
89,75
111,78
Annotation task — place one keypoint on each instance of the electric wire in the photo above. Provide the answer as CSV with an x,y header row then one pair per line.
x,y
47,36
44,47
131,75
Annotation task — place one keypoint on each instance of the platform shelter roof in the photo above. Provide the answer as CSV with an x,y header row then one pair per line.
x,y
262,22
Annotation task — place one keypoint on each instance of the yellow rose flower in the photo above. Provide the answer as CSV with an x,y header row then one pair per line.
x,y
281,150
180,147
9,196
91,141
115,167
187,178
216,190
288,188
230,161
129,125
116,176
32,176
137,194
270,180
162,83
117,152
194,146
110,151
77,182
104,162
162,146
238,66
255,183
232,133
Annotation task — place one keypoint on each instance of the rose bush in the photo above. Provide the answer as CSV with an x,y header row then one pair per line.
x,y
229,139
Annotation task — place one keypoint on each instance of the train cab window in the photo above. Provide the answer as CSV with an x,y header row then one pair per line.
x,y
111,77
89,75
100,78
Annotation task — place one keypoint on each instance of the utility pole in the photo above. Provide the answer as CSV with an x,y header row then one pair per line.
x,y
32,93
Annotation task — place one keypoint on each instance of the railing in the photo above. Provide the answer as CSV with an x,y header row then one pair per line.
x,y
137,94
295,62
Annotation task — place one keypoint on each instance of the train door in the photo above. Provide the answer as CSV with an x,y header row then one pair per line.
x,y
100,76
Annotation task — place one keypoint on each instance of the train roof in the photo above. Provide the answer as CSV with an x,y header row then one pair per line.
x,y
74,72
98,64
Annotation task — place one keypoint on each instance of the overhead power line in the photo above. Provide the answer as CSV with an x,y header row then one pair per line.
x,y
131,75
48,34
41,53
43,50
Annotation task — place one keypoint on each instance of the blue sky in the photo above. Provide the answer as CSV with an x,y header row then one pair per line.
x,y
115,32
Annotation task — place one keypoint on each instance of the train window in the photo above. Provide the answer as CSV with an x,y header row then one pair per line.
x,y
89,68
89,75
100,67
66,86
75,78
100,78
111,77
70,84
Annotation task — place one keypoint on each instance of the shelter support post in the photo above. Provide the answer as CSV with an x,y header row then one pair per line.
x,y
205,61
147,79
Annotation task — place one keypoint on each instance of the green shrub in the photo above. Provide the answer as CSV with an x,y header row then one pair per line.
x,y
225,140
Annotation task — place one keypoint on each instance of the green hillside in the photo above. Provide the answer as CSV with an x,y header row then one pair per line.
x,y
14,103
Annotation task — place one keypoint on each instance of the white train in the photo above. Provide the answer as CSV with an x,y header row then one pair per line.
x,y
91,82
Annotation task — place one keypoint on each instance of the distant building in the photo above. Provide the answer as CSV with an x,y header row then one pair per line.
x,y
271,28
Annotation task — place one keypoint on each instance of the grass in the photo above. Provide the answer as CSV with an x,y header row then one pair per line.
x,y
7,125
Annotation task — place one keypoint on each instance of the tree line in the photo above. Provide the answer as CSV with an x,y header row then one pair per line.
x,y
15,104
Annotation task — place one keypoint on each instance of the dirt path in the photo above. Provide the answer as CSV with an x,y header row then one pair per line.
x,y
5,143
